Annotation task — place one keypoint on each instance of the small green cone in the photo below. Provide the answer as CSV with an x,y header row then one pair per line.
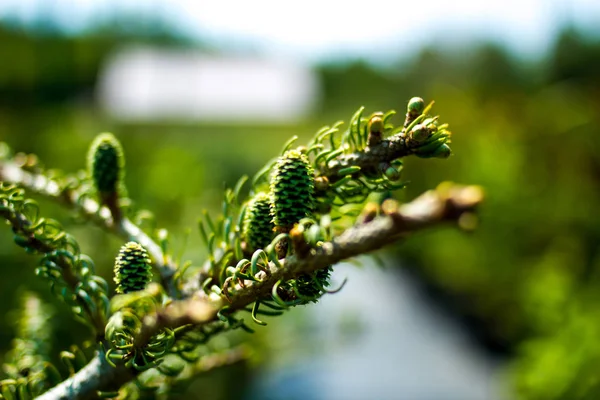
x,y
416,106
292,190
376,128
392,173
419,133
132,268
443,151
258,223
106,163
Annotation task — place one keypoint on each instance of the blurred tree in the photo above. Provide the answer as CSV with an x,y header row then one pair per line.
x,y
575,57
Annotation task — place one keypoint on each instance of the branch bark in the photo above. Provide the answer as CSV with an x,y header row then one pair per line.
x,y
87,381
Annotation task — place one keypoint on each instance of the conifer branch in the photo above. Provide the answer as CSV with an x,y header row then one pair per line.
x,y
370,157
22,227
448,203
275,249
420,135
91,210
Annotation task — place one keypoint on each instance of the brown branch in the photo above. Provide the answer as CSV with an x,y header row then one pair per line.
x,y
91,210
96,375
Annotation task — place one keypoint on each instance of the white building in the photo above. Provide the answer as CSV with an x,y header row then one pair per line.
x,y
148,84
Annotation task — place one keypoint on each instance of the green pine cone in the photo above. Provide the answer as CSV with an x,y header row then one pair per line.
x,y
258,223
106,163
132,268
292,190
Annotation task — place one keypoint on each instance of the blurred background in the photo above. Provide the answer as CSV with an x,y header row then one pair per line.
x,y
203,92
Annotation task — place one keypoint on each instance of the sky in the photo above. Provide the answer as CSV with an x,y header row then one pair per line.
x,y
319,30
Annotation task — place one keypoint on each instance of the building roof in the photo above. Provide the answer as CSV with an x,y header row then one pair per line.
x,y
157,84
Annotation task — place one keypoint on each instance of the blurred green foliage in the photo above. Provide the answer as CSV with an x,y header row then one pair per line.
x,y
528,131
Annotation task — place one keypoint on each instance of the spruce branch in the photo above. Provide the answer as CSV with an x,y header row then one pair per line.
x,y
92,211
387,150
379,152
60,250
445,204
448,203
307,210
374,147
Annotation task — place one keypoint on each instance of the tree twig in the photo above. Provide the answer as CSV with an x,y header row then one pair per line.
x,y
387,150
370,157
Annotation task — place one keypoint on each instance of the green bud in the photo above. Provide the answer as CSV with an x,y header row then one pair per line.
x,y
292,190
415,107
398,164
392,174
376,123
419,133
376,128
258,223
106,163
132,268
443,151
